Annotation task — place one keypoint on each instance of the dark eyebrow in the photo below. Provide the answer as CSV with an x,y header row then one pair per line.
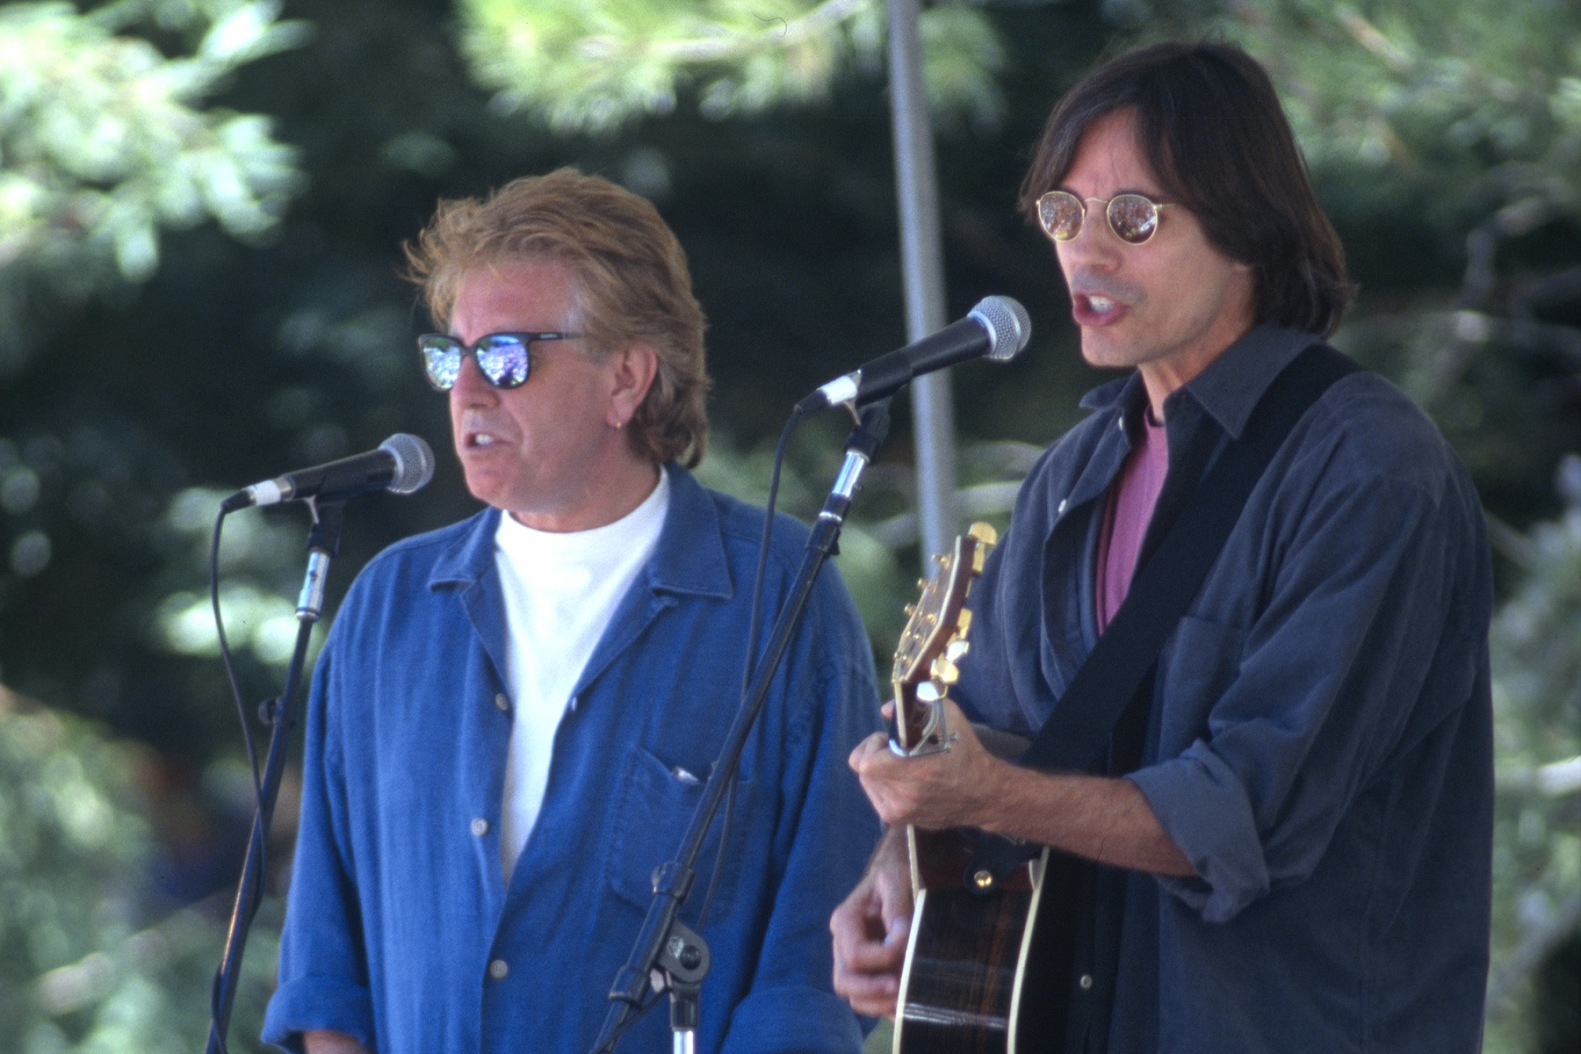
x,y
1150,195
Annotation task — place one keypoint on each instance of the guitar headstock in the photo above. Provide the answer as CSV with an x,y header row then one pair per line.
x,y
934,641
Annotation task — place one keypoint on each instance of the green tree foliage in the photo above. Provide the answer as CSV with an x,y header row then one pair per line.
x,y
1537,718
104,138
84,967
1475,100
600,65
1447,141
1442,136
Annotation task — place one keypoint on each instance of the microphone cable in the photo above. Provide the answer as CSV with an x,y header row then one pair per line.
x,y
259,837
229,662
750,667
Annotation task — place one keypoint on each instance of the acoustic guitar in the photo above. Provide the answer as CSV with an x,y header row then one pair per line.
x,y
966,960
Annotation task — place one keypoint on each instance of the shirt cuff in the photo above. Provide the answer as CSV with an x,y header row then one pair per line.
x,y
1202,806
775,1020
311,1003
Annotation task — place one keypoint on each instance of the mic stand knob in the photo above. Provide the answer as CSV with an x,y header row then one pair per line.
x,y
680,970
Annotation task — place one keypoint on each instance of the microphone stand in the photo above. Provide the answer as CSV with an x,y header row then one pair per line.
x,y
323,544
668,955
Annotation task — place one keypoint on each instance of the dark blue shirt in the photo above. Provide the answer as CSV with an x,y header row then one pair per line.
x,y
401,930
1320,745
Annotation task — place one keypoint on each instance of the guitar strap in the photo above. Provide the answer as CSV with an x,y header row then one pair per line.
x,y
1126,655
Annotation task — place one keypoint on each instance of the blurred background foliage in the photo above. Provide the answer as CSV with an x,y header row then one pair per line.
x,y
106,139
201,204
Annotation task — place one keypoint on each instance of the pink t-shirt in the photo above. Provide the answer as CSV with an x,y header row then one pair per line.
x,y
1126,518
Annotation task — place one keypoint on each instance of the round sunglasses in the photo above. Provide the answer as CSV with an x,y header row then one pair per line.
x,y
503,358
1132,217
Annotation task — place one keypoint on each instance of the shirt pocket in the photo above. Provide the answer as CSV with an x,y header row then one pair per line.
x,y
1201,663
651,817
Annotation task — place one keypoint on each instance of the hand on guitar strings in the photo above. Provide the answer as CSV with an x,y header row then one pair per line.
x,y
952,788
871,928
1102,818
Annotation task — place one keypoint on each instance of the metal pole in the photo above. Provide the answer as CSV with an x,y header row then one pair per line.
x,y
922,261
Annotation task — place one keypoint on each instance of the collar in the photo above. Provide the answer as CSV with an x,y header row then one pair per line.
x,y
1229,389
689,559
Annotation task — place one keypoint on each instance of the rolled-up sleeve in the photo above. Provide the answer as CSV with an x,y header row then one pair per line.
x,y
1323,687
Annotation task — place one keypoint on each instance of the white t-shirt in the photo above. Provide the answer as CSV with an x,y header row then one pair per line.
x,y
560,592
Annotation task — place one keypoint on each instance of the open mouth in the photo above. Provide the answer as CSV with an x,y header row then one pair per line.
x,y
1093,309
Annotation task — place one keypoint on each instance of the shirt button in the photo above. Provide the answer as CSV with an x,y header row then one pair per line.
x,y
480,827
498,969
1063,503
1085,982
502,703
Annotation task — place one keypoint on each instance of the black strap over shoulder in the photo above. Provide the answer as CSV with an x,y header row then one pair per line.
x,y
1165,585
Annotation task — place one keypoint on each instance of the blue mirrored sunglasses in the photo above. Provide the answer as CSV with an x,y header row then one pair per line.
x,y
503,358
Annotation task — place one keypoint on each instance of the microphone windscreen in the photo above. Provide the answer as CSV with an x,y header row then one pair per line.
x,y
1008,324
414,462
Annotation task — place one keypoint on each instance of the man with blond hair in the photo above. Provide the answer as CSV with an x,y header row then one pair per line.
x,y
514,717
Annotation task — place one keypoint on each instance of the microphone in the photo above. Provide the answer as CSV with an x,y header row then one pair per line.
x,y
998,327
403,463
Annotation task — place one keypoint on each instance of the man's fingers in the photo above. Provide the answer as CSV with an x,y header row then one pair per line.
x,y
867,973
876,956
892,890
870,944
871,996
850,922
869,917
863,750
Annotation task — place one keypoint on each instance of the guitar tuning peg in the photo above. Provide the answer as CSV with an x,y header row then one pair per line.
x,y
944,671
963,622
938,558
956,650
984,532
911,609
922,583
928,692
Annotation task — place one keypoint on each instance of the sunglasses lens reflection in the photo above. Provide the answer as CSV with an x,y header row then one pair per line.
x,y
442,363
1060,214
503,361
1133,218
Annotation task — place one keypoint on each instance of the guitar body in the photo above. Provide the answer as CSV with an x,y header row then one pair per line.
x,y
967,962
970,958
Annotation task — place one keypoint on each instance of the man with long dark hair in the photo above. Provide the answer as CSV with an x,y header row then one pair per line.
x,y
1282,840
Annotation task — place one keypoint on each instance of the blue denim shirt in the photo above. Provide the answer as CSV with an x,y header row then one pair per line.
x,y
398,914
1320,744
